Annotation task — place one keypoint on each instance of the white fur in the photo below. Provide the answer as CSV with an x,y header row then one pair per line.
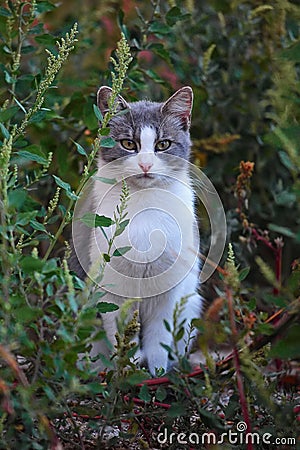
x,y
161,230
147,140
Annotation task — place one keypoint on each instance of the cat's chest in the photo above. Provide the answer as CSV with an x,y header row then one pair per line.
x,y
160,220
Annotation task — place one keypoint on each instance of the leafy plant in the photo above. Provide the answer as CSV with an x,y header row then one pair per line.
x,y
242,61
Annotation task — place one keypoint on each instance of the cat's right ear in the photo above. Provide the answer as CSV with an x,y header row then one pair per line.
x,y
103,96
180,106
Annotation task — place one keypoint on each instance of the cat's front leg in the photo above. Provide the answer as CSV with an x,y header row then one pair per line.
x,y
110,320
155,312
154,333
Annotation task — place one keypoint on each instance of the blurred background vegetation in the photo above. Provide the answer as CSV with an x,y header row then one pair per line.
x,y
242,60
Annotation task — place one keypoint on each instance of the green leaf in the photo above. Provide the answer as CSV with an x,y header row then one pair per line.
x,y
176,410
211,420
25,217
292,53
285,198
104,307
30,264
286,161
53,219
104,131
265,328
28,156
26,49
80,149
161,394
66,187
25,314
63,184
154,76
44,6
288,345
95,388
244,273
168,348
175,15
8,78
121,251
281,302
160,50
38,116
179,334
281,230
144,393
159,28
251,305
122,112
8,113
5,12
88,116
136,378
46,39
107,142
97,295
98,113
92,220
37,225
122,227
167,325
106,180
50,266
5,132
106,257
17,198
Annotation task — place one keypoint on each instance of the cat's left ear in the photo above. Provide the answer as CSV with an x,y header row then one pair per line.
x,y
103,96
180,105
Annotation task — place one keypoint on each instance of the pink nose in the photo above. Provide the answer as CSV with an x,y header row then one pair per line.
x,y
145,167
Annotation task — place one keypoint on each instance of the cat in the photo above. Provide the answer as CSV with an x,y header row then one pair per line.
x,y
151,153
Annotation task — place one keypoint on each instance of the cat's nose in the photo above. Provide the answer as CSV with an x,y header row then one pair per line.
x,y
145,166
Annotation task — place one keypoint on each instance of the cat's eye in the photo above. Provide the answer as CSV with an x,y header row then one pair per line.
x,y
162,145
129,145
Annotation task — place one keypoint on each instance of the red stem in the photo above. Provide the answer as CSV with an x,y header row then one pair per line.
x,y
263,239
138,401
144,431
236,360
155,381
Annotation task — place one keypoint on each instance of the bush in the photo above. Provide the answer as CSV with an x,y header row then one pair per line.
x,y
242,60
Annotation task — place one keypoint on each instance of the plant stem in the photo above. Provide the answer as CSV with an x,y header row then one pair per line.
x,y
237,364
121,67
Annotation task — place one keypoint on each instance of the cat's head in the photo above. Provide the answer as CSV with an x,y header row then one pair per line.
x,y
150,136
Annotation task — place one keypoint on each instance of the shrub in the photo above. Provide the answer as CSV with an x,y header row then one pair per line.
x,y
242,60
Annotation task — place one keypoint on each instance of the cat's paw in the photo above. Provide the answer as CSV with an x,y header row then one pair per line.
x,y
157,364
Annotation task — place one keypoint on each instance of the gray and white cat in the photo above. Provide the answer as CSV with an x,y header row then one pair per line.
x,y
162,267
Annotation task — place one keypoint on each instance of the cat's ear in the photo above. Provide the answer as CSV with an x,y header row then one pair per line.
x,y
180,105
103,96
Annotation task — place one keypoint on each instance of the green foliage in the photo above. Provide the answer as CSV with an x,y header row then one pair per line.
x,y
242,61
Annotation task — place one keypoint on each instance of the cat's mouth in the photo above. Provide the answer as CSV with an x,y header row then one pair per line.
x,y
150,179
146,175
